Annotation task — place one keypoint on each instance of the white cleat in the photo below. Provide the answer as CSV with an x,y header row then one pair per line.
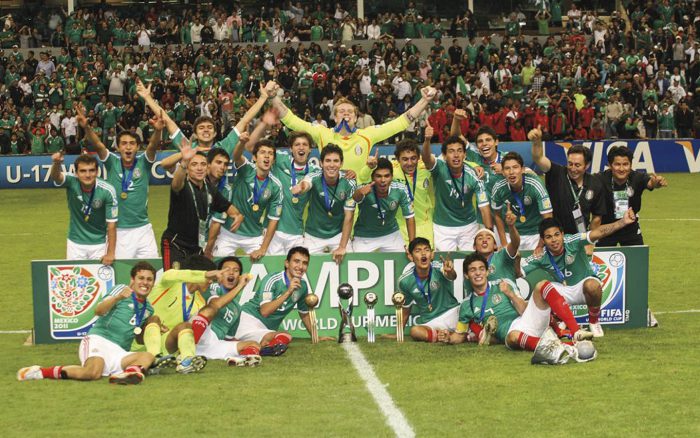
x,y
583,335
550,350
30,373
596,329
490,327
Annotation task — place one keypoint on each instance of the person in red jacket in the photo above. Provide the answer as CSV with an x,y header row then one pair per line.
x,y
499,122
559,124
517,132
585,114
542,120
597,132
580,133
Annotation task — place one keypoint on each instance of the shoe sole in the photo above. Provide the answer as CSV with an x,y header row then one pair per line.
x,y
198,363
130,379
489,329
583,336
252,361
22,374
163,363
275,350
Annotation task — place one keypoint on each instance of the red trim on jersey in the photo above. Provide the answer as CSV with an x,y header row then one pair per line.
x,y
160,296
166,254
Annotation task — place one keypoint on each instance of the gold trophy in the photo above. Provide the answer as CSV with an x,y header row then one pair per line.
x,y
311,301
398,299
370,301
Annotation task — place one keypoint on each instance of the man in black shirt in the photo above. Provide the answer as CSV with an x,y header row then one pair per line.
x,y
192,199
623,189
577,197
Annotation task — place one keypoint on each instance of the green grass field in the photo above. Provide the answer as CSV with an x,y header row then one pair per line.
x,y
644,383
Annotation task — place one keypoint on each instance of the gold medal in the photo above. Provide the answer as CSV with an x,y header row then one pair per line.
x,y
430,307
256,207
330,214
86,218
522,218
137,331
295,200
124,195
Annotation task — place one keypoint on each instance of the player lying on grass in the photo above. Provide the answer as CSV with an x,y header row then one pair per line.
x,y
122,316
428,285
221,315
177,297
494,310
276,295
564,257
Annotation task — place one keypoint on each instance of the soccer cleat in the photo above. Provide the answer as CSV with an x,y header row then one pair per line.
x,y
582,335
596,329
30,373
126,378
250,360
490,327
550,350
273,349
162,362
191,364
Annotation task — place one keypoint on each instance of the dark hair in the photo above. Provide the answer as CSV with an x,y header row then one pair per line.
x,y
331,148
129,133
383,163
201,154
513,156
263,143
203,119
198,262
619,151
298,250
549,223
215,152
233,259
451,140
488,131
142,266
407,144
418,241
471,258
85,159
296,134
580,149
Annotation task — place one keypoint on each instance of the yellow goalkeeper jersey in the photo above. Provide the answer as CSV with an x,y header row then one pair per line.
x,y
171,301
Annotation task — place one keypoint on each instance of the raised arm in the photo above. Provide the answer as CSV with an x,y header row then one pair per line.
x,y
238,158
535,136
158,123
605,230
427,153
253,110
56,172
456,126
218,303
93,140
144,93
427,95
514,243
180,175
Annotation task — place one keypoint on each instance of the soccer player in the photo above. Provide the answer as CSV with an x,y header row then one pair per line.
x,y
129,172
221,316
577,197
455,183
526,195
93,207
331,206
122,316
410,170
623,188
376,228
355,143
177,297
428,285
255,192
565,259
192,198
277,294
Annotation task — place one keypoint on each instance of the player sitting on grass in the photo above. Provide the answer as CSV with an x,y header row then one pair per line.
x,y
177,296
277,294
122,316
428,285
565,258
221,315
495,310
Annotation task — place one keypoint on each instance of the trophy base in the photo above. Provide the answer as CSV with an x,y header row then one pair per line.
x,y
347,337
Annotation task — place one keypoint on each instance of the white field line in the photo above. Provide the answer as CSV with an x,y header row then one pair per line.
x,y
14,332
393,416
687,219
677,311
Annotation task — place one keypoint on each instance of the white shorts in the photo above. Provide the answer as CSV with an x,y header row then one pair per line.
x,y
573,294
281,243
319,245
446,321
251,328
533,322
227,243
136,243
78,251
111,353
455,238
211,347
529,242
391,243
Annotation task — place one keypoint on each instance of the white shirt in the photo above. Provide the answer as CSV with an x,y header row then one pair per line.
x,y
70,126
373,32
196,33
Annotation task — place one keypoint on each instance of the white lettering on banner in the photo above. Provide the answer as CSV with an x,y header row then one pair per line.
x,y
597,152
16,178
329,274
693,161
158,172
388,280
642,159
359,321
354,267
258,271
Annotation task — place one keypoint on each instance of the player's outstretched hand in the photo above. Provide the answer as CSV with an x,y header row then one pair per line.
x,y
349,174
57,157
338,255
429,132
142,90
107,259
510,216
428,93
504,287
480,172
244,137
372,159
364,190
237,220
296,189
125,293
187,152
535,134
658,181
80,116
448,265
460,114
257,255
157,121
630,217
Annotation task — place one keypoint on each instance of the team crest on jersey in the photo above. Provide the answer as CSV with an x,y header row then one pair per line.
x,y
589,194
570,259
97,203
426,183
267,193
342,196
137,173
497,299
527,200
393,205
434,284
630,191
492,269
358,149
267,296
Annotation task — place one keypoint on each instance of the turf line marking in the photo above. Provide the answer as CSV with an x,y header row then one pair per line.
x,y
393,416
14,332
677,311
672,219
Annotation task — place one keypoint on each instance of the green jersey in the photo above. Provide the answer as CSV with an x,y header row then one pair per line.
x,y
570,267
478,308
172,302
246,192
293,206
225,323
37,144
501,267
453,195
319,223
54,144
490,177
132,183
271,287
531,203
118,324
89,211
433,295
377,216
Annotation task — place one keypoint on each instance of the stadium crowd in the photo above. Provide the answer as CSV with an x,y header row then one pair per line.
x,y
476,198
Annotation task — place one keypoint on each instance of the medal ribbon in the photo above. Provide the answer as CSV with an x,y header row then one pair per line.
x,y
423,286
577,196
379,204
484,301
87,208
127,175
344,124
411,189
194,199
293,171
326,198
519,200
138,313
560,275
186,310
258,192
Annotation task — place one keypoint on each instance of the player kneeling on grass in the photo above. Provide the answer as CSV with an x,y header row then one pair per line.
x,y
277,294
428,285
221,315
105,350
565,258
494,310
